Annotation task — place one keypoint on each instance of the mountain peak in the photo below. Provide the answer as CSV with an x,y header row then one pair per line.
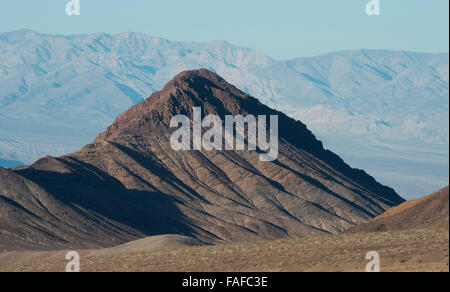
x,y
139,185
188,89
207,90
198,73
195,80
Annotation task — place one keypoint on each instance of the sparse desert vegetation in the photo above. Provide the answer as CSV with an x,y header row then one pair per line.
x,y
407,250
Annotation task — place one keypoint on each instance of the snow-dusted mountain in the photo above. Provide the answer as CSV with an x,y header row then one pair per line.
x,y
384,111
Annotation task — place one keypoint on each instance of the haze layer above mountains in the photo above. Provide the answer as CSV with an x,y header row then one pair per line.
x,y
129,183
384,111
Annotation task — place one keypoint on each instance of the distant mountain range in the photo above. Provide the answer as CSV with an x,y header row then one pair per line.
x,y
129,183
383,111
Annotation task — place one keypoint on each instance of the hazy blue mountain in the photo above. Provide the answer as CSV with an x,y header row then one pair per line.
x,y
384,111
10,163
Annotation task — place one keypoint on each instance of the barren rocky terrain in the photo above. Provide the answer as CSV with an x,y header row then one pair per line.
x,y
130,184
416,240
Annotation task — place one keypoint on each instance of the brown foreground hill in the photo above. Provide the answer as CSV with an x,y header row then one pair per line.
x,y
431,211
130,184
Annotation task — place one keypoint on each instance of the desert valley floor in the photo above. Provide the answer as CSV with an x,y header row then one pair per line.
x,y
410,250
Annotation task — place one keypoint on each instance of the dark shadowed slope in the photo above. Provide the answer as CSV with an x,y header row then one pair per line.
x,y
130,184
426,212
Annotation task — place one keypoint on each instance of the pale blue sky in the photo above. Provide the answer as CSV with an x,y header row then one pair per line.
x,y
282,29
